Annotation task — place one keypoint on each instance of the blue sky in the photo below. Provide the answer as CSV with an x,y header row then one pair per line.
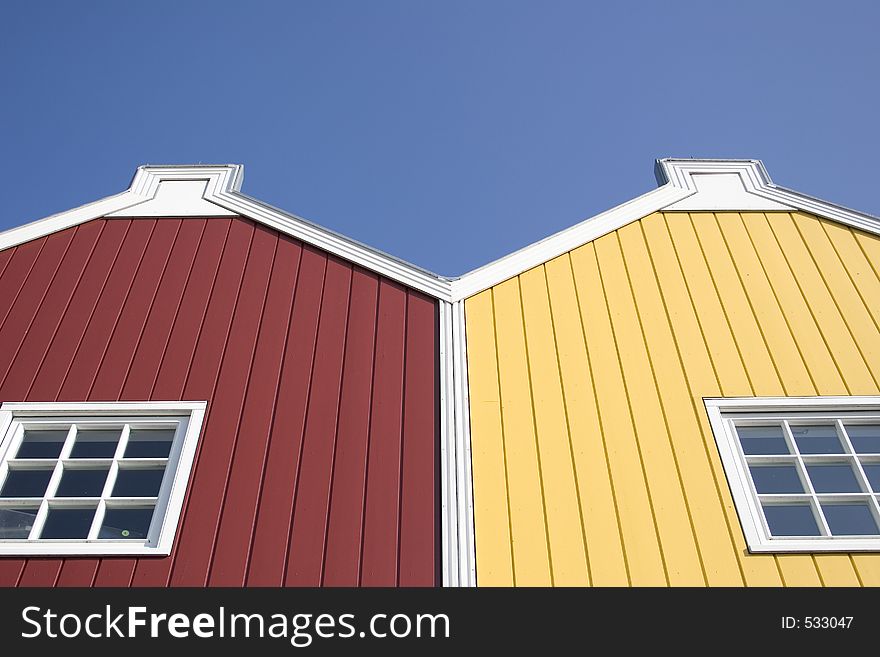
x,y
446,133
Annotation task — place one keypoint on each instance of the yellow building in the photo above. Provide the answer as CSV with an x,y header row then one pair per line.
x,y
682,391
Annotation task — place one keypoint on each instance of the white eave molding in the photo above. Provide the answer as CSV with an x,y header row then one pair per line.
x,y
180,198
686,185
722,187
214,191
761,194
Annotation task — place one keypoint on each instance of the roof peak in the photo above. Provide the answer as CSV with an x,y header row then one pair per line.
x,y
221,177
213,190
679,170
719,184
685,185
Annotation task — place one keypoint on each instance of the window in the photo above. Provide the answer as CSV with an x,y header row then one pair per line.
x,y
804,472
94,478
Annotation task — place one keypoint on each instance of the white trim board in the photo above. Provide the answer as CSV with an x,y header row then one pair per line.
x,y
181,198
457,494
214,190
686,185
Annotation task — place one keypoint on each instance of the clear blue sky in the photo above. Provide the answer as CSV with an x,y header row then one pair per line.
x,y
448,133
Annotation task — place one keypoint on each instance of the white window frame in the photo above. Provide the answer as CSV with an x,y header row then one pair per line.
x,y
722,414
188,416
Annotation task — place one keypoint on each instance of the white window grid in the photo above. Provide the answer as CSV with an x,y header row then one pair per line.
x,y
727,414
185,418
113,464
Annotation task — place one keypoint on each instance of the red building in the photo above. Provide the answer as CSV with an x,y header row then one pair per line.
x,y
308,449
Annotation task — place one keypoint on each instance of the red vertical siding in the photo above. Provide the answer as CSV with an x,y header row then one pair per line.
x,y
242,493
379,567
417,522
316,464
345,520
271,536
306,554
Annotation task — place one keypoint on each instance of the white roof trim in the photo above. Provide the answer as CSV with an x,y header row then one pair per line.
x,y
176,198
685,187
337,244
163,191
565,240
724,190
214,190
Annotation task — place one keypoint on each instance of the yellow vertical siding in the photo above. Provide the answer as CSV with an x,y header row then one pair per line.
x,y
593,459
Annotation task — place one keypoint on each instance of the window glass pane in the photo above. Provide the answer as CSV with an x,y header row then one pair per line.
x,y
82,483
26,483
41,444
850,518
864,437
833,478
762,440
819,439
149,443
126,523
791,520
68,523
872,470
16,522
776,479
95,444
138,483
